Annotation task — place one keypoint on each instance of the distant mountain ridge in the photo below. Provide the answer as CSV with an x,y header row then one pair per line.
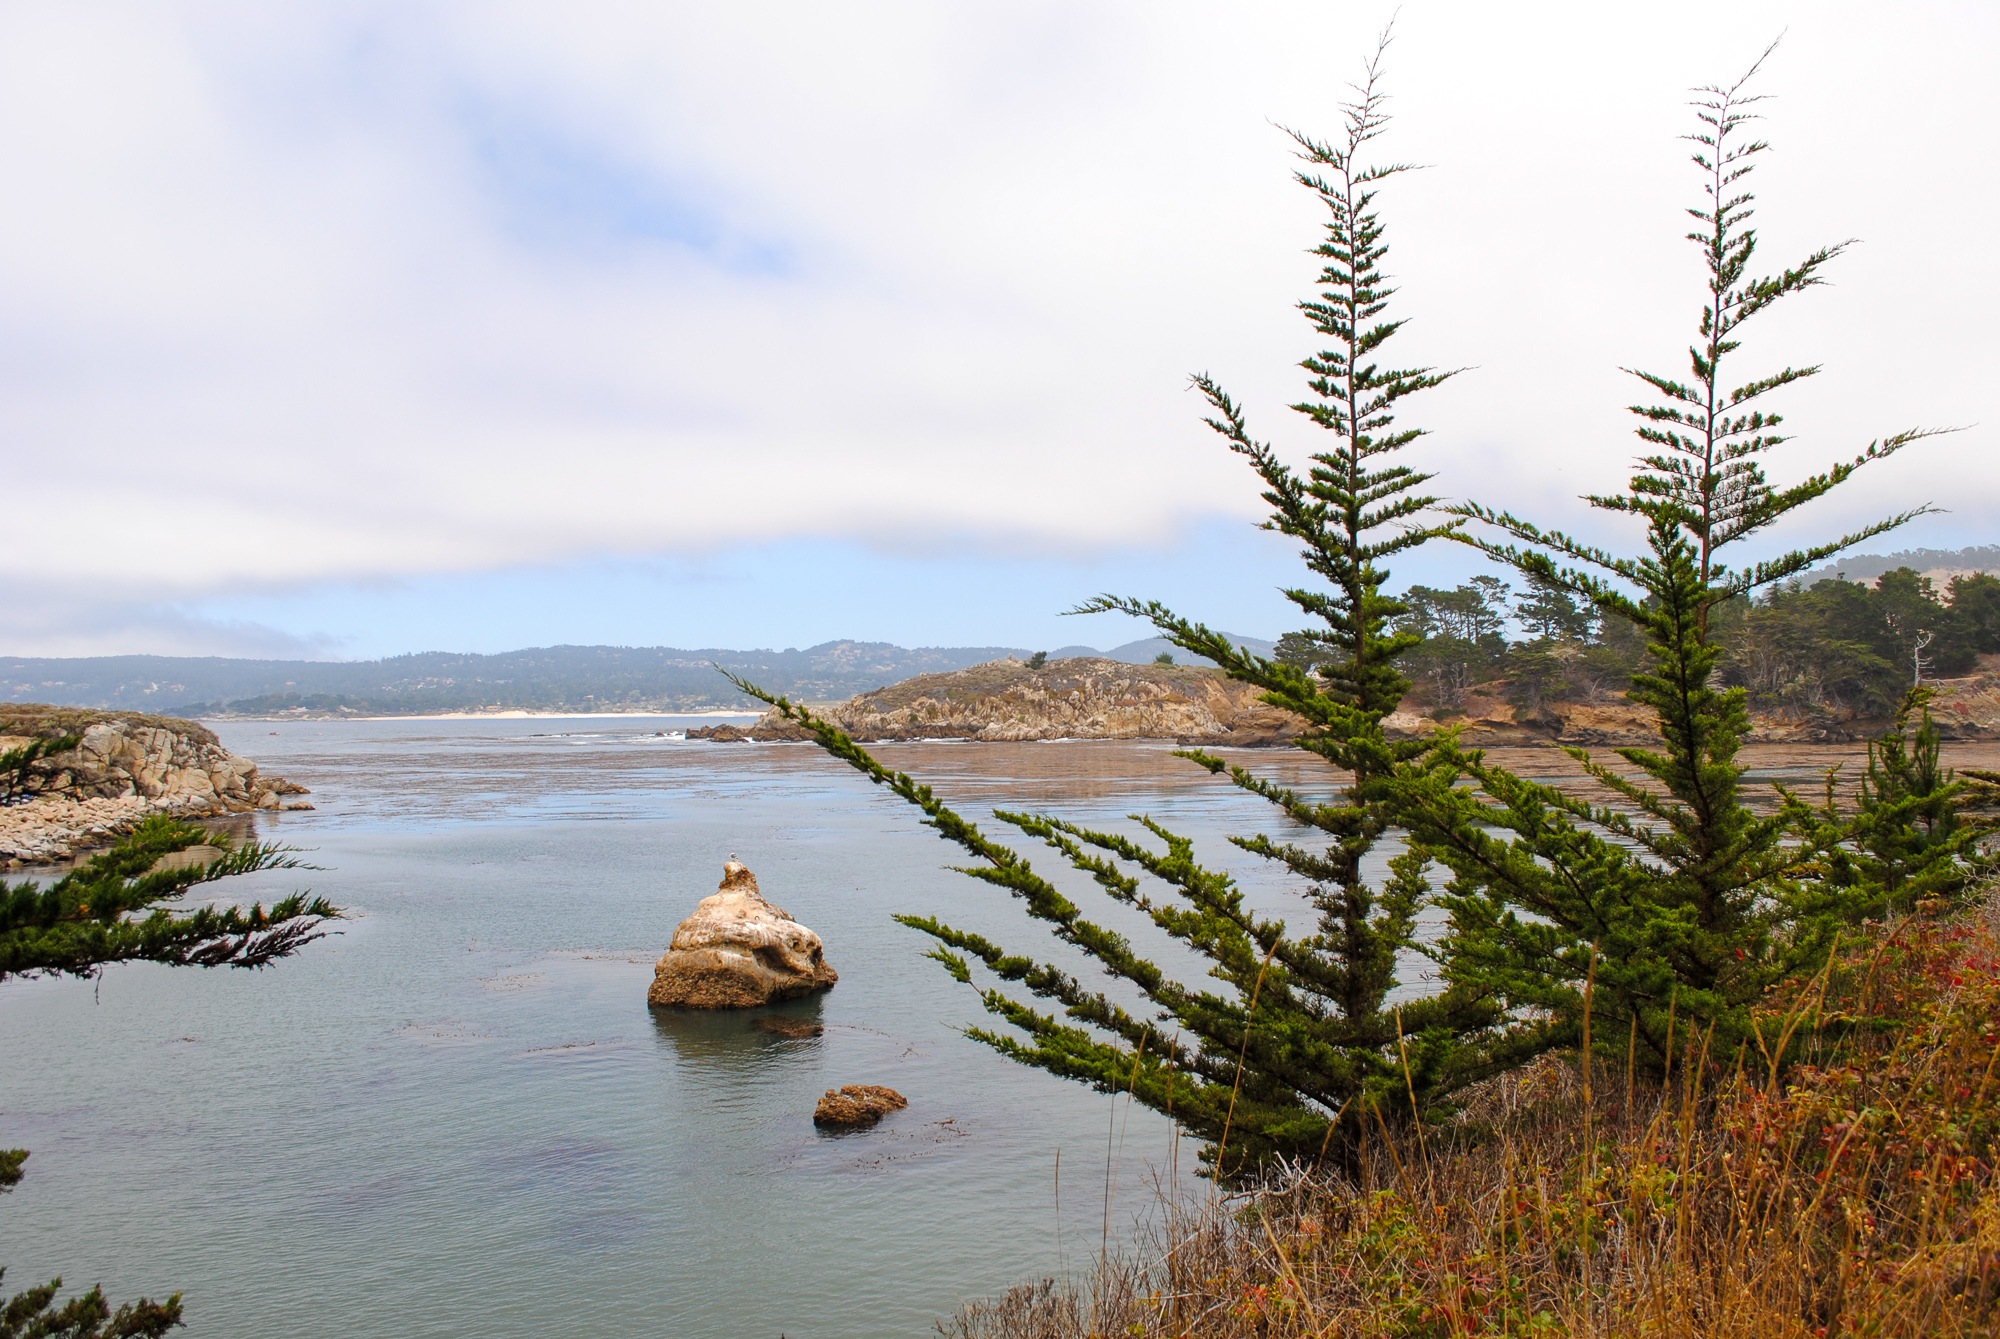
x,y
552,678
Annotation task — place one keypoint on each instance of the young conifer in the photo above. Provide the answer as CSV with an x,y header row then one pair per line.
x,y
1683,902
1301,1027
1916,834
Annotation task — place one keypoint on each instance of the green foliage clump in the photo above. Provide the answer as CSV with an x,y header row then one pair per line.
x,y
34,1312
1841,648
1834,651
1917,836
1457,638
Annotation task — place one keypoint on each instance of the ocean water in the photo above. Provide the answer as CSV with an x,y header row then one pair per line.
x,y
458,1117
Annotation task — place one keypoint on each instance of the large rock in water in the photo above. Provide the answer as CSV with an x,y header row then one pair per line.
x,y
738,950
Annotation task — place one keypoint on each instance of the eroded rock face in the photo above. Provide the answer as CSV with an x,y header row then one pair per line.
x,y
125,767
738,951
857,1104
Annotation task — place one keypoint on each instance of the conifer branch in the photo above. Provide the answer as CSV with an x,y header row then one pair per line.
x,y
109,910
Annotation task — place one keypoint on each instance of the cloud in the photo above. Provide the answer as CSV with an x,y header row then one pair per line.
x,y
306,294
89,619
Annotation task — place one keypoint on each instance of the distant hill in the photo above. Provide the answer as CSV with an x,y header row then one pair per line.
x,y
554,678
1868,566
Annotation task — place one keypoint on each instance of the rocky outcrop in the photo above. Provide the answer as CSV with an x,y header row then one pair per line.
x,y
1091,698
125,768
737,951
1082,698
856,1104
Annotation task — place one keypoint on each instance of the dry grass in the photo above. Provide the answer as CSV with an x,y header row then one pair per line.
x,y
1848,1189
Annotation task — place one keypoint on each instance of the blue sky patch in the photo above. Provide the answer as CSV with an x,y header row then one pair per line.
x,y
556,189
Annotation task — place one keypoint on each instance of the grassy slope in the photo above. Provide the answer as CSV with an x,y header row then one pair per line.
x,y
1850,1189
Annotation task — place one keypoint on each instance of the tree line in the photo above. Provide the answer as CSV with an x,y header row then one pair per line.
x,y
1829,647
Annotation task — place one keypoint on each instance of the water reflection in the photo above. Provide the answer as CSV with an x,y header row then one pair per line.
x,y
708,1043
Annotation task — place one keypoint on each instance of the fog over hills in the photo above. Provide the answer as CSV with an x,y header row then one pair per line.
x,y
554,678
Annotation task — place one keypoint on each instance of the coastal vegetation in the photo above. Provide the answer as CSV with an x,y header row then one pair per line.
x,y
1670,1059
1837,1180
1079,697
1832,652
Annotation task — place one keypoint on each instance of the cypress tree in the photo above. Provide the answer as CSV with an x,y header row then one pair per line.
x,y
1681,900
1300,1029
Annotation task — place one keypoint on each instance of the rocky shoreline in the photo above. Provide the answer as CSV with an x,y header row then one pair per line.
x,y
124,768
1088,698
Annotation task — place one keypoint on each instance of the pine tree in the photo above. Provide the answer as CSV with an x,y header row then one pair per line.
x,y
1915,836
1302,1029
1683,902
111,909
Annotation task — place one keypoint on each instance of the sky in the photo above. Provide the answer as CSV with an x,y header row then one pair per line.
x,y
343,330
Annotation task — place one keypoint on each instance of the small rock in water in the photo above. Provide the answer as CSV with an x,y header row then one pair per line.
x,y
857,1104
738,951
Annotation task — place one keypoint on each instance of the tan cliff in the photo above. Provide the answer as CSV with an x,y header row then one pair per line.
x,y
125,767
